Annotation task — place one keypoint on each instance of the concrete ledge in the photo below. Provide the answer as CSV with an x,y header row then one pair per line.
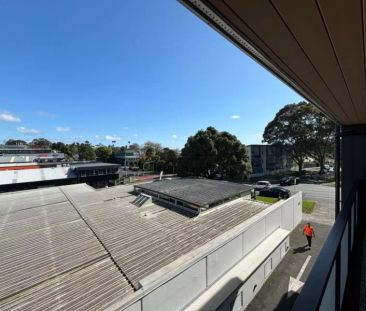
x,y
215,295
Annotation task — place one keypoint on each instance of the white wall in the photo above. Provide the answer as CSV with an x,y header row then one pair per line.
x,y
179,290
224,258
241,297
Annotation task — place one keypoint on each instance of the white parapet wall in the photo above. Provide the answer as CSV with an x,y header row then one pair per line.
x,y
226,273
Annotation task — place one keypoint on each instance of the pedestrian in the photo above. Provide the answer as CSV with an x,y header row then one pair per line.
x,y
309,233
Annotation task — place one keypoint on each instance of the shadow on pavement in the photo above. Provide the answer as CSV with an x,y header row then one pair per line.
x,y
225,297
301,249
286,302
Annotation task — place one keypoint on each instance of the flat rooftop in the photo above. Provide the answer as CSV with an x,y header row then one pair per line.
x,y
93,165
74,247
8,177
198,192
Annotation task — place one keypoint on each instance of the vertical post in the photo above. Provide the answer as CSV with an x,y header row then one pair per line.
x,y
337,171
337,210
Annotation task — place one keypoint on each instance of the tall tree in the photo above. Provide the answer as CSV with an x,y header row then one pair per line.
x,y
210,153
168,160
103,153
303,130
135,147
40,143
86,151
322,136
15,142
289,128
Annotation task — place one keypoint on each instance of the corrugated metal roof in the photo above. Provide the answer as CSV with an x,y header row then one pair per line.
x,y
73,247
51,258
141,245
95,287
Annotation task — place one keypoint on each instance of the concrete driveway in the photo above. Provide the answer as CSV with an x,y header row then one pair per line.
x,y
324,196
274,294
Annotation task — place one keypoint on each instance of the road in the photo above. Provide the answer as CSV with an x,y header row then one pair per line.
x,y
324,196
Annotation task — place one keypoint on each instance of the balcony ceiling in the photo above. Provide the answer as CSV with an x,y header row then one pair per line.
x,y
316,47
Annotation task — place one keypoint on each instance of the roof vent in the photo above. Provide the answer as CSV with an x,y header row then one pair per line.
x,y
142,199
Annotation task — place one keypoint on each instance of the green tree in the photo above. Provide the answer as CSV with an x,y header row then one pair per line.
x,y
289,129
168,160
135,147
15,142
210,153
103,153
322,136
303,130
73,151
40,143
86,151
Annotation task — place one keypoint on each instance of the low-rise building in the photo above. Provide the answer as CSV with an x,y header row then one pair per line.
x,y
128,158
74,247
15,177
267,159
25,154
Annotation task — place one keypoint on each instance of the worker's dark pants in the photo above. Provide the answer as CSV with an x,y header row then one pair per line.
x,y
309,240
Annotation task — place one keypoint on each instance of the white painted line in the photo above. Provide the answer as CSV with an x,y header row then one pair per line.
x,y
295,285
303,268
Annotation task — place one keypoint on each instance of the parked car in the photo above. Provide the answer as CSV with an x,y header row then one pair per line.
x,y
259,185
288,181
275,192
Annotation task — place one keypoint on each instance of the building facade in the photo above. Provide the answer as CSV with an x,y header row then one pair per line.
x,y
128,158
267,159
25,154
14,177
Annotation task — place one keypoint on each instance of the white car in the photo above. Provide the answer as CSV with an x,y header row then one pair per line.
x,y
259,185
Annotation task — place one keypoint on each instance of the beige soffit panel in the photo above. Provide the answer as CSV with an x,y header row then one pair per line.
x,y
293,43
344,21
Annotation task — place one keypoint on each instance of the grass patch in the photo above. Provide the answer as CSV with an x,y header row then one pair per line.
x,y
308,206
266,199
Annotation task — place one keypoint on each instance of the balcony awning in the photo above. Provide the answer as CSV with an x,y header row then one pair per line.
x,y
316,47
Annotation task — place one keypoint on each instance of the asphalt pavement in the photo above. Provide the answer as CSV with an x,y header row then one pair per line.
x,y
274,294
324,196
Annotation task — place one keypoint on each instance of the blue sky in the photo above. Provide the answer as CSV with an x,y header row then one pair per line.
x,y
76,70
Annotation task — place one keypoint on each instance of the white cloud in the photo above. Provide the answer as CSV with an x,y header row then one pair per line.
x,y
235,117
44,114
135,135
174,136
112,137
8,117
96,136
62,129
25,130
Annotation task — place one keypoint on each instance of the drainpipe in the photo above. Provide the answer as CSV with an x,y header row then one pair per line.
x,y
337,171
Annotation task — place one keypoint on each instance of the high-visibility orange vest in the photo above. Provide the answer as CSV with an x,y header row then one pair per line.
x,y
309,231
